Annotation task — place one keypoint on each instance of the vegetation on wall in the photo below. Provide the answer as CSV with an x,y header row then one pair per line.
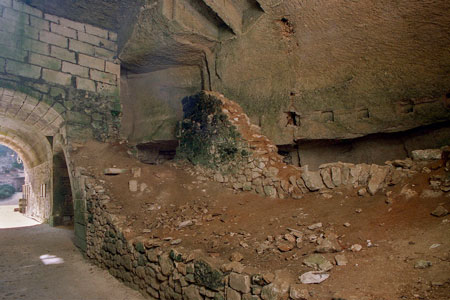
x,y
206,135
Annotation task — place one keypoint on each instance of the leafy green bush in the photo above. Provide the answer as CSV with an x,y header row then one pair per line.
x,y
6,190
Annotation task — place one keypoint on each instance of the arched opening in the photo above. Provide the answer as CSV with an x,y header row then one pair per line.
x,y
29,127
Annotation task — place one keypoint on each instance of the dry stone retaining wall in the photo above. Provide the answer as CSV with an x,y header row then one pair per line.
x,y
160,272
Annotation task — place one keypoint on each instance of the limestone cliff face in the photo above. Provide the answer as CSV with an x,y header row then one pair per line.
x,y
300,69
309,69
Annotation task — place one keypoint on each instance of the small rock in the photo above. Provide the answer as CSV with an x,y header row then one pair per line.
x,y
431,194
315,226
318,262
358,210
440,211
313,277
185,224
297,292
143,187
296,233
327,196
427,154
407,192
243,244
346,224
356,248
435,246
113,171
176,242
422,264
133,185
405,163
362,192
233,267
284,246
290,238
136,172
341,260
236,256
269,277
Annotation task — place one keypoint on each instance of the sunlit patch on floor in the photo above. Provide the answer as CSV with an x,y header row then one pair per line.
x,y
48,259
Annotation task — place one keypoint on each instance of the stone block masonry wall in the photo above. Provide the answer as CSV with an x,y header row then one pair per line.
x,y
62,63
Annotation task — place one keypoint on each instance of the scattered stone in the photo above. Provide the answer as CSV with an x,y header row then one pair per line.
x,y
341,260
136,171
176,242
313,277
422,264
440,211
290,238
327,195
431,194
185,224
233,267
356,248
426,170
297,292
362,192
403,163
113,171
346,224
133,185
407,192
296,233
269,277
143,187
263,247
435,246
236,256
427,154
315,226
318,262
358,210
284,246
329,244
243,244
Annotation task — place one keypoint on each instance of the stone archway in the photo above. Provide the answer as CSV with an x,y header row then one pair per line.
x,y
28,126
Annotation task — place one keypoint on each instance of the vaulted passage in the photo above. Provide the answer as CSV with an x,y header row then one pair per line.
x,y
30,128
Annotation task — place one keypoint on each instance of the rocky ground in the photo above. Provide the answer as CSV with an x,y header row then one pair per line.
x,y
393,245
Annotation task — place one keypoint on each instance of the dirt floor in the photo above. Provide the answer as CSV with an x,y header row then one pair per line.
x,y
177,206
41,263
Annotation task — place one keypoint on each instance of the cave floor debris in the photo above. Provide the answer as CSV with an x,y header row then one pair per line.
x,y
382,237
